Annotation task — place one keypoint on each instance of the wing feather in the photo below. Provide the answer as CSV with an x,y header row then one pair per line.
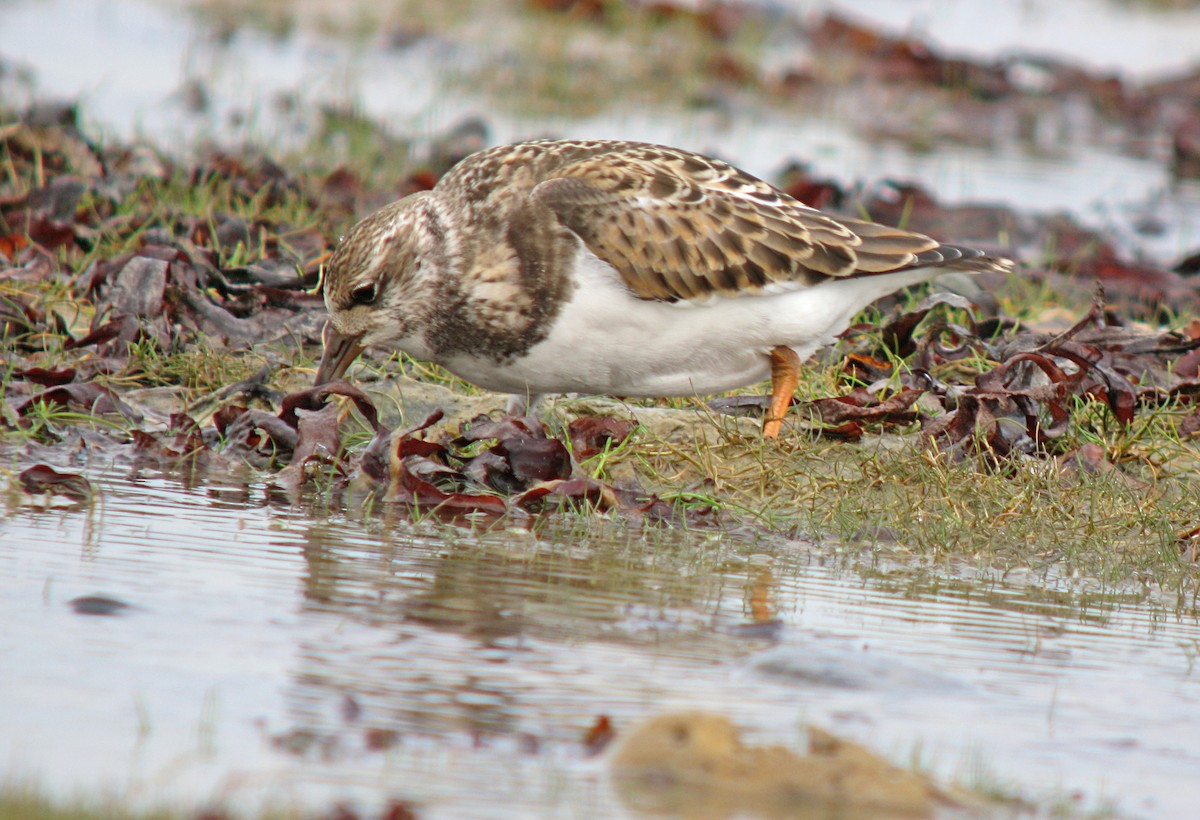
x,y
680,226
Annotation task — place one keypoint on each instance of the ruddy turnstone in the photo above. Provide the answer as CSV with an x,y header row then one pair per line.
x,y
620,268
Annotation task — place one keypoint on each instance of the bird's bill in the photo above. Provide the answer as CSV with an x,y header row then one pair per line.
x,y
340,351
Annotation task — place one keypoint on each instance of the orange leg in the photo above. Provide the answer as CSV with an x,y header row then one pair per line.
x,y
785,374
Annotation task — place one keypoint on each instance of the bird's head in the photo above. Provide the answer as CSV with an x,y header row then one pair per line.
x,y
377,284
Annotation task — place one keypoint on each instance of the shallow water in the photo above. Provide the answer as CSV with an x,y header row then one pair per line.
x,y
274,656
1139,40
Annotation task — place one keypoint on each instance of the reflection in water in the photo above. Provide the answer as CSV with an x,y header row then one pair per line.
x,y
269,656
483,613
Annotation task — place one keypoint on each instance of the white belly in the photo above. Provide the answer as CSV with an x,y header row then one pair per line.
x,y
605,341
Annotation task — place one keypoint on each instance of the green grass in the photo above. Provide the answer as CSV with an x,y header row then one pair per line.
x,y
899,494
196,369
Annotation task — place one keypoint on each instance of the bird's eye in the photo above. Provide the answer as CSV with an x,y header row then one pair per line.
x,y
363,294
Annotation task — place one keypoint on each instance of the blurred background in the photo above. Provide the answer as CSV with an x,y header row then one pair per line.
x,y
1086,106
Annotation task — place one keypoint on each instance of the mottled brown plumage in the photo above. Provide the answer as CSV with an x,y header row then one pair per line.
x,y
678,225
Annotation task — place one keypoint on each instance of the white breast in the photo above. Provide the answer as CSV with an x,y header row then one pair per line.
x,y
606,341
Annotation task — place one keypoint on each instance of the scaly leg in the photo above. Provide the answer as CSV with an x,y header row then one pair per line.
x,y
785,375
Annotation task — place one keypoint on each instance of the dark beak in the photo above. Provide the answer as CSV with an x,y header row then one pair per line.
x,y
340,351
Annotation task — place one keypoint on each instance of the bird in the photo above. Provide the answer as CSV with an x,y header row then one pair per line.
x,y
611,267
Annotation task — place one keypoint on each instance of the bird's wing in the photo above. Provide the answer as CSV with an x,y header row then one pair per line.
x,y
680,226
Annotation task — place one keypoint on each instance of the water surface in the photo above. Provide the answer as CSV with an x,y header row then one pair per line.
x,y
278,656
